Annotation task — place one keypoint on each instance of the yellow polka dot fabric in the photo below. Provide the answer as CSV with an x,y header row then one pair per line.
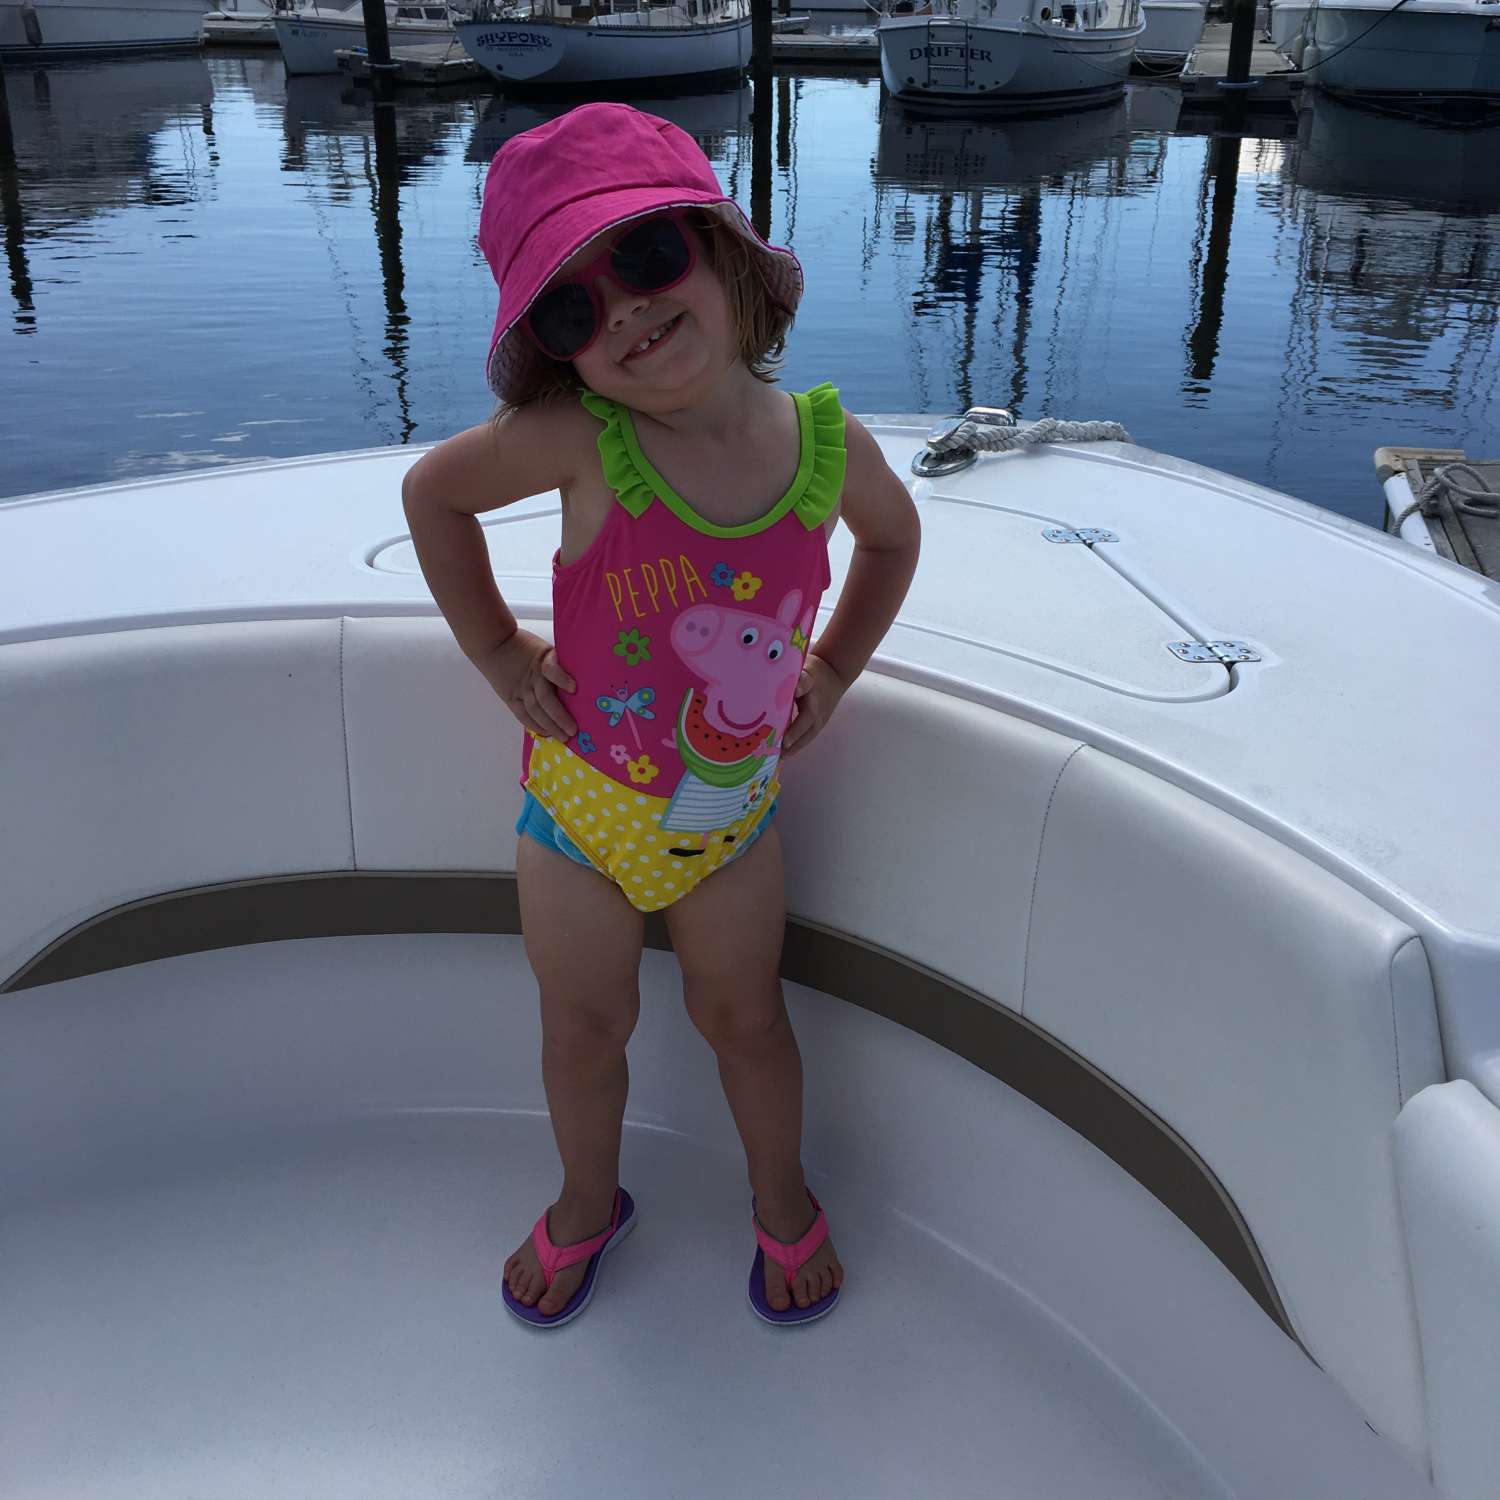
x,y
619,828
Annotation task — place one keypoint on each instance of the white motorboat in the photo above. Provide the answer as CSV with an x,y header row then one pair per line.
x,y
312,37
1287,20
1173,29
1153,1060
252,23
1011,54
55,30
537,46
241,23
1437,52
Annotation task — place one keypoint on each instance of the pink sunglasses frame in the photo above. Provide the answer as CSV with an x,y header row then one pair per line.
x,y
601,266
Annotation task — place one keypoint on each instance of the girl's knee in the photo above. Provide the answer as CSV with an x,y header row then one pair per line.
x,y
588,1029
735,1021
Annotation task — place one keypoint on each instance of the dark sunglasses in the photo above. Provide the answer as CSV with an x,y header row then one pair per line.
x,y
649,257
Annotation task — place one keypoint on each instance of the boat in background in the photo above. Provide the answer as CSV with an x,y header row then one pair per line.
x,y
1438,55
1021,55
252,23
1173,29
1286,19
312,37
538,46
55,30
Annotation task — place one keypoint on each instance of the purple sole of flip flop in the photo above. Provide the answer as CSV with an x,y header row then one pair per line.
x,y
580,1299
793,1314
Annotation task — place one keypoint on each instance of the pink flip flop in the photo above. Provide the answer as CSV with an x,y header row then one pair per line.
x,y
791,1258
555,1257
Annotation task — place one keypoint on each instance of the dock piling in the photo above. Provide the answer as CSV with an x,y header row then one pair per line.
x,y
377,43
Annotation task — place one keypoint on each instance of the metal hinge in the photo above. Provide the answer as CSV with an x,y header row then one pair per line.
x,y
1224,652
1086,534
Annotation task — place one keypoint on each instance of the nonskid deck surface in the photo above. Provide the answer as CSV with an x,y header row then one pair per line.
x,y
313,1308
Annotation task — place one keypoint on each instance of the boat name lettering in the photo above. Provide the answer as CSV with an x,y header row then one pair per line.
x,y
974,54
512,39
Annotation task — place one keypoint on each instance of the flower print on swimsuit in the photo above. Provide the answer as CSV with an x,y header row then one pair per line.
x,y
586,746
745,587
721,575
643,771
634,647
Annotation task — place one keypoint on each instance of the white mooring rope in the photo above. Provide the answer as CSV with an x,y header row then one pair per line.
x,y
1476,497
986,438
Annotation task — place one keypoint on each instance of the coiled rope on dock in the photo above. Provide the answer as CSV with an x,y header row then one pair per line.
x,y
1466,488
985,437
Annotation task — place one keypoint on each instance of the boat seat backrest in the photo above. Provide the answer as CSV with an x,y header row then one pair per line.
x,y
1266,1011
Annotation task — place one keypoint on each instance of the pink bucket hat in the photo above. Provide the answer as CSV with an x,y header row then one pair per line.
x,y
550,190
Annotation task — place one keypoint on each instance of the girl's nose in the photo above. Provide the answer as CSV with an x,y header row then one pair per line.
x,y
620,303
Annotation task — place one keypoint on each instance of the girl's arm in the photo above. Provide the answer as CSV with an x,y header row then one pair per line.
x,y
887,538
527,452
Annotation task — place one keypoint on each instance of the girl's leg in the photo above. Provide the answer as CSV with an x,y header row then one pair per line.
x,y
727,934
583,939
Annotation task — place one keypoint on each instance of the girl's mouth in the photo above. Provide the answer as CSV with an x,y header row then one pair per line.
x,y
650,345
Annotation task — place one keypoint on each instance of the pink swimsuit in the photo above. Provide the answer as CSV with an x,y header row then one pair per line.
x,y
686,641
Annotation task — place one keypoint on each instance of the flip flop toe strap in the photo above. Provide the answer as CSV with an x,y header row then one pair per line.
x,y
791,1258
555,1258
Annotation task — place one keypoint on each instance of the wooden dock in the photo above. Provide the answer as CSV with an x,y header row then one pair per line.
x,y
1465,531
854,53
1273,82
422,65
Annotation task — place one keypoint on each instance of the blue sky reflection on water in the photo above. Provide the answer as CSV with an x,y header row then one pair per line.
x,y
204,265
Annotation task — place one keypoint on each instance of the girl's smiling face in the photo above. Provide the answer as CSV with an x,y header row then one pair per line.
x,y
697,335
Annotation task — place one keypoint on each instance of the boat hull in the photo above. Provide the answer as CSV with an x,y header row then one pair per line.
x,y
1013,65
1288,17
531,55
311,43
47,31
1173,28
239,31
1435,54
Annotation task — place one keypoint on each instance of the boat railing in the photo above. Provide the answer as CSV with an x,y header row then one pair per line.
x,y
1065,15
663,14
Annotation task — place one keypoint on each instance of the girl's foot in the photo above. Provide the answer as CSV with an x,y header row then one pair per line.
x,y
818,1277
523,1271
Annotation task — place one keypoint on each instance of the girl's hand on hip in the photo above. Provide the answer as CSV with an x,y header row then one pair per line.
x,y
525,672
818,692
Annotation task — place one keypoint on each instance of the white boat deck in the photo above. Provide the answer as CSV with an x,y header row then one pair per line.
x,y
1347,711
277,1271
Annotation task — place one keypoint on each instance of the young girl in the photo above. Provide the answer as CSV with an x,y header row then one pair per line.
x,y
639,316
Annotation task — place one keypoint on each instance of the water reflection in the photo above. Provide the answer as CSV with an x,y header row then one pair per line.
x,y
210,262
967,195
1394,301
81,152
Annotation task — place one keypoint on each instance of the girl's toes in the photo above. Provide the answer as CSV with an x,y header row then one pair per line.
x,y
776,1295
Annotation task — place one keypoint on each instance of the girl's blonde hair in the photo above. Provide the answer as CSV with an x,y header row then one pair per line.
x,y
762,323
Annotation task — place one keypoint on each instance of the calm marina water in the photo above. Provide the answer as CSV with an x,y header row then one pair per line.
x,y
207,262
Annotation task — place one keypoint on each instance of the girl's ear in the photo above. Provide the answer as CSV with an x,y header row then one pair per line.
x,y
786,611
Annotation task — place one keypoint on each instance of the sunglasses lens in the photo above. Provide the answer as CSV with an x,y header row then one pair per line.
x,y
652,256
563,320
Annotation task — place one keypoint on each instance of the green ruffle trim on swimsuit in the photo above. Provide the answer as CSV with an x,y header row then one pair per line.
x,y
814,492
